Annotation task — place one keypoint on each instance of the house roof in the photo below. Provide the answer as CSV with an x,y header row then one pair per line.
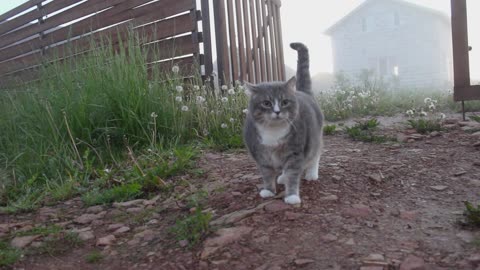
x,y
367,3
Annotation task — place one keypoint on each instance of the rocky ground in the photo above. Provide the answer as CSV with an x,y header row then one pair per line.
x,y
376,206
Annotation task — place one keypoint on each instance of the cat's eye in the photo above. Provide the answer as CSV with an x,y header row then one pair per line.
x,y
267,103
285,103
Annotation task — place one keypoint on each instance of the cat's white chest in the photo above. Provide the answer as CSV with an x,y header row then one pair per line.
x,y
272,136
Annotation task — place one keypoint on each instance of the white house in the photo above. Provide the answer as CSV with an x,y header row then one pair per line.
x,y
397,40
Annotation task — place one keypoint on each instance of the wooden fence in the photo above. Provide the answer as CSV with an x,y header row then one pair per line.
x,y
39,31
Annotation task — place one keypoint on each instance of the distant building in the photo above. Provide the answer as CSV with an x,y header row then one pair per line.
x,y
397,40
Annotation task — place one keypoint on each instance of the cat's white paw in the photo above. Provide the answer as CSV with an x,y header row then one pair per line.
x,y
292,199
311,175
265,193
282,180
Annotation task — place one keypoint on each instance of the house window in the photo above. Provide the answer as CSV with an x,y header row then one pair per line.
x,y
396,18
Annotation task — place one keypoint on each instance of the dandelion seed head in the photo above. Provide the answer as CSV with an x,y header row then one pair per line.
x,y
427,100
175,69
223,125
224,99
178,99
184,108
153,115
224,87
232,120
196,87
231,91
245,111
200,99
179,88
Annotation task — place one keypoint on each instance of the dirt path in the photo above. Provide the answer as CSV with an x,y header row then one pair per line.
x,y
376,206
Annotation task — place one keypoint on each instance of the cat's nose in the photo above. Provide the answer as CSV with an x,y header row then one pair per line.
x,y
277,112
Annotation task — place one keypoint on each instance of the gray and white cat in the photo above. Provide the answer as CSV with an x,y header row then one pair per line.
x,y
283,130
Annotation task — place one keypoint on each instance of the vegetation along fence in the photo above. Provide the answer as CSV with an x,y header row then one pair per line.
x,y
248,36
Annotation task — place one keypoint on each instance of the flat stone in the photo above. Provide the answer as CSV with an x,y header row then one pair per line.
x,y
439,188
460,173
358,210
477,144
183,243
233,217
374,267
23,241
276,206
134,210
329,238
226,236
329,198
435,134
350,242
377,178
207,252
121,230
152,201
106,241
114,227
86,218
413,263
475,182
474,259
466,236
408,215
85,236
302,262
146,235
375,257
128,204
95,209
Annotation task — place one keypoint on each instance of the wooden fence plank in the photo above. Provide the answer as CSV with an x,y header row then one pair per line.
x,y
249,76
162,29
223,62
260,41
19,9
241,41
233,41
461,65
266,40
207,42
273,54
256,55
278,23
171,48
69,15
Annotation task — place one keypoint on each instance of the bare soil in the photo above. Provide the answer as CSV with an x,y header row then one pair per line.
x,y
376,206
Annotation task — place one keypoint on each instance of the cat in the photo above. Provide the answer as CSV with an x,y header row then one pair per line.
x,y
283,130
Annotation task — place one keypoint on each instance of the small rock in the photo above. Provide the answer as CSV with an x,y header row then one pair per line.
x,y
292,215
276,206
413,263
408,215
358,210
146,235
88,218
329,238
183,243
435,134
114,227
350,242
36,244
236,194
152,201
128,204
227,236
373,267
23,241
377,178
95,209
474,259
85,236
477,144
97,223
375,257
302,262
4,228
106,241
152,222
466,236
134,210
460,173
207,252
337,178
439,188
329,198
121,230
476,134
402,138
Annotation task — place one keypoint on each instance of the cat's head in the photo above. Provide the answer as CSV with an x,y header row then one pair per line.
x,y
273,103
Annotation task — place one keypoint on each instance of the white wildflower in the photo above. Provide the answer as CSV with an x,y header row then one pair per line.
x,y
205,132
214,74
196,87
223,125
178,99
410,113
200,99
179,88
107,170
153,115
175,69
443,116
427,100
245,111
431,107
422,113
184,108
224,99
232,120
231,91
224,87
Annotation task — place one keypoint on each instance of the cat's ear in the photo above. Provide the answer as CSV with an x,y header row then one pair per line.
x,y
250,89
292,84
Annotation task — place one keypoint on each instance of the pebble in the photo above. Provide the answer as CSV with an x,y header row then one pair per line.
x,y
276,206
358,210
292,215
439,188
128,204
134,210
23,241
86,235
329,238
95,209
329,198
302,262
106,241
413,263
121,230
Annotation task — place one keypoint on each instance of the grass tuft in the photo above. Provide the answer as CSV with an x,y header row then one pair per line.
x,y
8,255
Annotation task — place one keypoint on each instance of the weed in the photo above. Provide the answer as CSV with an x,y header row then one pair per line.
x,y
116,194
472,214
424,126
43,231
365,131
56,244
329,129
475,118
197,199
193,228
8,254
94,257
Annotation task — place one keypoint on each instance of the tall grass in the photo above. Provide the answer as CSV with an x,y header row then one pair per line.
x,y
86,112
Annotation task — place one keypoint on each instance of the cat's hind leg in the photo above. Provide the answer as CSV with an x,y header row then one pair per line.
x,y
311,172
269,186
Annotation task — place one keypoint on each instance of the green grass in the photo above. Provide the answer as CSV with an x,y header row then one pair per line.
x,y
94,257
8,255
193,228
57,244
424,126
475,118
472,214
329,129
120,193
43,231
366,131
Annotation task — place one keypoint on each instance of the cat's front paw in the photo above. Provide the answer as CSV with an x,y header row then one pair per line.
x,y
311,175
292,199
265,193
282,180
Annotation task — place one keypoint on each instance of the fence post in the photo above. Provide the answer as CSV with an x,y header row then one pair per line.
x,y
207,41
221,41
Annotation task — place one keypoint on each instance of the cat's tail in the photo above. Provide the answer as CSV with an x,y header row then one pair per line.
x,y
304,81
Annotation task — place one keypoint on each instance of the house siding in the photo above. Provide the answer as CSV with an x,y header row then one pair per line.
x,y
420,46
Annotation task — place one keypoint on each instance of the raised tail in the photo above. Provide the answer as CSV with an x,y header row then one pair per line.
x,y
304,81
